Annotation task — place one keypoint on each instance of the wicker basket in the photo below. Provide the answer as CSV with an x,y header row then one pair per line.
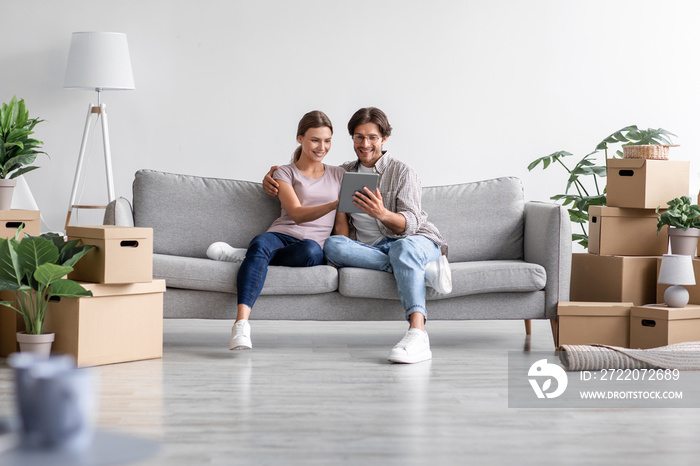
x,y
652,151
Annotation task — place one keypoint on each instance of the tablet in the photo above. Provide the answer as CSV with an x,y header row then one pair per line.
x,y
352,182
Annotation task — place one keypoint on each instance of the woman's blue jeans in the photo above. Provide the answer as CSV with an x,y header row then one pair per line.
x,y
405,257
272,249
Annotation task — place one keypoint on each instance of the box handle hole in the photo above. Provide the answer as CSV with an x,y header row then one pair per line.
x,y
55,299
14,224
648,323
129,244
626,172
594,219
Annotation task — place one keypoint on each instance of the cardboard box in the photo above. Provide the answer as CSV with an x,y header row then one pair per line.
x,y
118,323
582,323
123,254
10,323
614,231
646,184
654,326
617,279
10,220
693,290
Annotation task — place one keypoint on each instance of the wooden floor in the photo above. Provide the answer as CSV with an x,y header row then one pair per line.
x,y
323,393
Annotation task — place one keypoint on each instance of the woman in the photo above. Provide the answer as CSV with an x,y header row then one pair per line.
x,y
308,192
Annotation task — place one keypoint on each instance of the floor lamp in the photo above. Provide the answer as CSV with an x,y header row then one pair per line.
x,y
97,61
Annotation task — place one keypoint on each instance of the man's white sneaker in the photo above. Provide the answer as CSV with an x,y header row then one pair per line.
x,y
240,336
438,275
413,347
221,251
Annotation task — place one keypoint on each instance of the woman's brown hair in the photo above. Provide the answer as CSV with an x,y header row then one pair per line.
x,y
313,119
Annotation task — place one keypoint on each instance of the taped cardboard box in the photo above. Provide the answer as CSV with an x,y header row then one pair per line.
x,y
122,254
693,290
617,279
646,184
582,323
654,326
119,323
615,231
11,220
10,323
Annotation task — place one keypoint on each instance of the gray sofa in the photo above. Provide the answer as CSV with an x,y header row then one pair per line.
x,y
510,259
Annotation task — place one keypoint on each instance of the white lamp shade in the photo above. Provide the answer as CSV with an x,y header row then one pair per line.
x,y
676,269
99,61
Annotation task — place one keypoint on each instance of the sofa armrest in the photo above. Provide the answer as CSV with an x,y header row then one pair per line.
x,y
120,213
547,242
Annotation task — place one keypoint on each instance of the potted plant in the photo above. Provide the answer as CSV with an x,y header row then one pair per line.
x,y
34,268
683,221
592,192
17,149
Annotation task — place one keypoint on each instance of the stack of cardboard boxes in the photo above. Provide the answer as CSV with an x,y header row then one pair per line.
x,y
612,283
123,319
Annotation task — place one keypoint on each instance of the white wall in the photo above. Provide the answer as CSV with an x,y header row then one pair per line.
x,y
474,89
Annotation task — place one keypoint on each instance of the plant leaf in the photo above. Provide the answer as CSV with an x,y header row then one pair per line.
x,y
35,251
68,289
47,274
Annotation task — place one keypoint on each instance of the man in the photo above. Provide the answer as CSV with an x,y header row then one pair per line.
x,y
392,233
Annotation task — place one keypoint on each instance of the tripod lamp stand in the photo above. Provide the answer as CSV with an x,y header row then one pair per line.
x,y
97,61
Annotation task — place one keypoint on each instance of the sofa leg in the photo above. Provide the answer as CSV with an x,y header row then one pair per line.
x,y
528,327
555,331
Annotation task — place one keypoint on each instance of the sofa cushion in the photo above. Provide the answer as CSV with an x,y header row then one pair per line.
x,y
468,278
188,213
209,275
479,221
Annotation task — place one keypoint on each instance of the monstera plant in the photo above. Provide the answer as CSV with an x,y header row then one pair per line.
x,y
584,184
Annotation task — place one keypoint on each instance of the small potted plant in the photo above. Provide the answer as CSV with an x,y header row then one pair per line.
x,y
683,221
17,149
34,268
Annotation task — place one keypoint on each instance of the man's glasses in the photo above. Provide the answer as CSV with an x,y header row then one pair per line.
x,y
359,139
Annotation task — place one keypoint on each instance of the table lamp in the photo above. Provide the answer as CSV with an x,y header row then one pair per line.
x,y
97,61
676,270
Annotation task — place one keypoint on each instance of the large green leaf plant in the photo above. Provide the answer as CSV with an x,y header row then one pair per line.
x,y
34,268
584,185
17,149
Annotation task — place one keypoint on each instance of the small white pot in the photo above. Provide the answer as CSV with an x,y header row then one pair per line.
x,y
37,344
7,188
684,242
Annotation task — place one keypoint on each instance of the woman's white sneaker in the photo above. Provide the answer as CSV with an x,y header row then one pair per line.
x,y
438,275
413,347
240,336
221,251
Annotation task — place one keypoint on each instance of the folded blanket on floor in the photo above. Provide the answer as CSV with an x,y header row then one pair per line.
x,y
682,356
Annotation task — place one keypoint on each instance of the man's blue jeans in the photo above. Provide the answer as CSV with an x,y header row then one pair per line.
x,y
272,249
405,257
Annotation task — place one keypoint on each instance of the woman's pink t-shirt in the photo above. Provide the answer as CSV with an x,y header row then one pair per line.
x,y
310,192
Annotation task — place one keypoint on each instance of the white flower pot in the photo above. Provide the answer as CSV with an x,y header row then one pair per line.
x,y
37,344
684,242
7,188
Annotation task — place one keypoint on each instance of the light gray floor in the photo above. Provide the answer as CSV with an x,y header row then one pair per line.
x,y
323,393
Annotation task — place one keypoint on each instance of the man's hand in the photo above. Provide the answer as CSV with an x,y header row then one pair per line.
x,y
269,184
372,204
